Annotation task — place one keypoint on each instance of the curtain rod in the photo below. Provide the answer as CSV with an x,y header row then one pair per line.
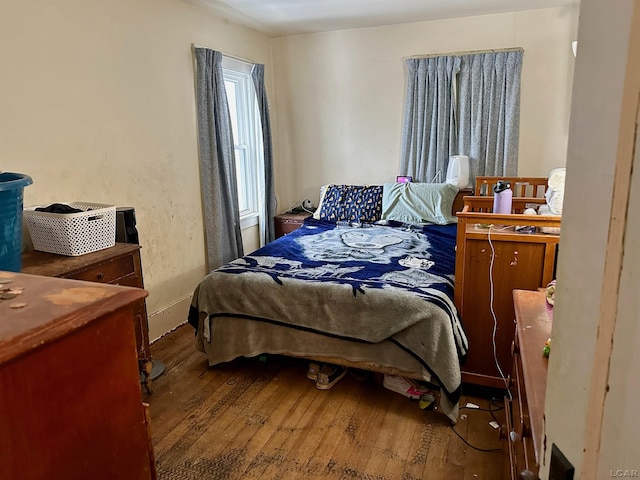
x,y
471,52
235,57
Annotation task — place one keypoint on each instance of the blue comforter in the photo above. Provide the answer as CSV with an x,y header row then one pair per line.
x,y
366,283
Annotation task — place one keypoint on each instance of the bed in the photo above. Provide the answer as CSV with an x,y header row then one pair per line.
x,y
371,290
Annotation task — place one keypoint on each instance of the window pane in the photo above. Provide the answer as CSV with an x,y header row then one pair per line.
x,y
243,187
233,108
244,118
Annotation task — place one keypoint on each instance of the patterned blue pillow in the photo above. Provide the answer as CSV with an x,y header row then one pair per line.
x,y
353,203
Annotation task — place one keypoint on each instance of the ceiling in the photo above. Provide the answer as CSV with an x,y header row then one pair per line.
x,y
290,17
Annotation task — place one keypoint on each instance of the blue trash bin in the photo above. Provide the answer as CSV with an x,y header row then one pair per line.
x,y
11,187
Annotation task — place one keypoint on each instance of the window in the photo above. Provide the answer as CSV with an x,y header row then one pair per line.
x,y
245,124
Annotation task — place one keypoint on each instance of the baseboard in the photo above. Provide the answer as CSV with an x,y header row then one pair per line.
x,y
169,318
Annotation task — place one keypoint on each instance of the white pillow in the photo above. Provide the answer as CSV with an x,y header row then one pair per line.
x,y
555,193
323,190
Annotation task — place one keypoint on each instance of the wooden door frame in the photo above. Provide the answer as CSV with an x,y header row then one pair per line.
x,y
608,313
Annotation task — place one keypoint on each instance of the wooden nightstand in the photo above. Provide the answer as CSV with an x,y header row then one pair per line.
x,y
288,222
118,265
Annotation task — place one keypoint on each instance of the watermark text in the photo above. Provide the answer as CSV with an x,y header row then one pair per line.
x,y
620,473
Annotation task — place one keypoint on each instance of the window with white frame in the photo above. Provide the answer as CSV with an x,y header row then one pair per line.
x,y
245,124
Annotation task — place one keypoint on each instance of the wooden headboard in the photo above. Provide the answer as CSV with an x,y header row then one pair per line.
x,y
532,187
528,187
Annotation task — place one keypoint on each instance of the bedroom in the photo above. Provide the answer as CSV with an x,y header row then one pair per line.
x,y
97,103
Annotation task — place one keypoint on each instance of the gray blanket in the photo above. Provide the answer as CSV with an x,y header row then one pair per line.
x,y
323,297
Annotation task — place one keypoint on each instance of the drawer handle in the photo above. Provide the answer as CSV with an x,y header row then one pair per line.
x,y
100,276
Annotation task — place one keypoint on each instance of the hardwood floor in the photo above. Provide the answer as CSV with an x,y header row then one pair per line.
x,y
266,420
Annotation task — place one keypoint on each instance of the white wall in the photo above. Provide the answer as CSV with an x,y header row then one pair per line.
x,y
591,161
340,95
97,104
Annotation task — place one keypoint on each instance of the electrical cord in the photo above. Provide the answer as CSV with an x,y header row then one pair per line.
x,y
473,446
294,206
495,355
301,206
493,314
492,413
490,410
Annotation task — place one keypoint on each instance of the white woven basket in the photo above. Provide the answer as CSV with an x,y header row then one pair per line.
x,y
73,234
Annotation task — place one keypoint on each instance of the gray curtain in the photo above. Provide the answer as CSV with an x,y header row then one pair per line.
x,y
267,229
217,161
429,132
462,105
489,112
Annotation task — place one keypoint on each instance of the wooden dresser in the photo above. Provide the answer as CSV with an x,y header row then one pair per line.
x,y
288,222
490,264
119,265
71,406
524,409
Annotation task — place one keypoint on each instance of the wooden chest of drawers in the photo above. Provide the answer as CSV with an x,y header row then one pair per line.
x,y
70,406
119,265
524,411
288,222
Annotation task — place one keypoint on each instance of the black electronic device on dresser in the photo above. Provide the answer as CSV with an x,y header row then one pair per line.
x,y
126,231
